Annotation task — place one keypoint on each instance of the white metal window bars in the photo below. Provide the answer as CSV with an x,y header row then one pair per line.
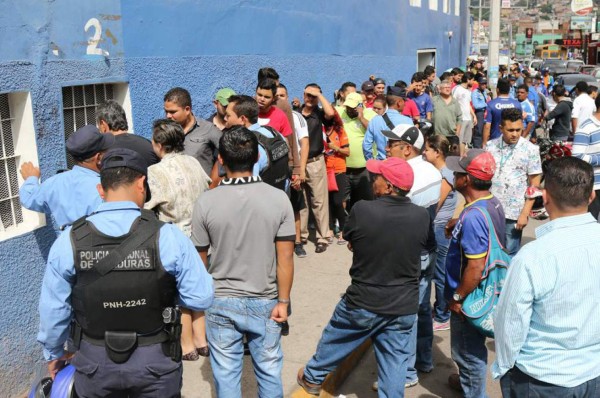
x,y
79,107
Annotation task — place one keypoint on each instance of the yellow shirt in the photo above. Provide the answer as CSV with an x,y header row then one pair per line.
x,y
356,134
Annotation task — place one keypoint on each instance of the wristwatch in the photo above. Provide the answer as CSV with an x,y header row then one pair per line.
x,y
457,297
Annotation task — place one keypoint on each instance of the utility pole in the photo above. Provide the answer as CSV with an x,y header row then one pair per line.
x,y
494,49
479,31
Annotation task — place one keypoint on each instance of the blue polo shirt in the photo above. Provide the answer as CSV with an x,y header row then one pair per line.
x,y
424,103
470,238
494,111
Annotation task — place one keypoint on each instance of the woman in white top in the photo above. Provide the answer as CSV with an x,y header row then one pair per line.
x,y
176,183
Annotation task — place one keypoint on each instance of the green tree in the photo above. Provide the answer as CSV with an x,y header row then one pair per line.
x,y
546,9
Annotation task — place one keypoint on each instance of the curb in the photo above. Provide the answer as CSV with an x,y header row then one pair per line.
x,y
335,379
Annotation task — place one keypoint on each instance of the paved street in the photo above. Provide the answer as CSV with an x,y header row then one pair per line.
x,y
319,281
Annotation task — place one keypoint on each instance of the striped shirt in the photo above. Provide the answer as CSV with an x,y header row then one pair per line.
x,y
586,145
547,322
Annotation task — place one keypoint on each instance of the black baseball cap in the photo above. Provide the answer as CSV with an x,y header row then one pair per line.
x,y
378,81
397,91
88,141
123,157
367,86
482,80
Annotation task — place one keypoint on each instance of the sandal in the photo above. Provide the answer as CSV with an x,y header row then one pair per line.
x,y
203,351
191,356
312,389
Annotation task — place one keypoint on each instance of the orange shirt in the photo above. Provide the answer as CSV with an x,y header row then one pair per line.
x,y
334,160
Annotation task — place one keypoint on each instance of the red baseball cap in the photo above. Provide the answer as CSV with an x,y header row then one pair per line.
x,y
397,171
478,163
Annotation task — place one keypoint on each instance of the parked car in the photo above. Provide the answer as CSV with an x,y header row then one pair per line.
x,y
586,69
569,80
573,65
555,65
533,66
596,73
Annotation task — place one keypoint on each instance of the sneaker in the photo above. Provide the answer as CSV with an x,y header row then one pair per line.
x,y
299,250
439,326
408,384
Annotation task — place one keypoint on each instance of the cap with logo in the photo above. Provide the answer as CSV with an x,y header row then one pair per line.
x,y
123,157
478,163
482,80
397,171
407,133
367,86
88,141
223,95
378,81
397,91
353,100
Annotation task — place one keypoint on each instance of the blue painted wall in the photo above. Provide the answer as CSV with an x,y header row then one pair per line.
x,y
203,46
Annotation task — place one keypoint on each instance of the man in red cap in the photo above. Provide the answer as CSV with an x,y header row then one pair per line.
x,y
466,261
382,301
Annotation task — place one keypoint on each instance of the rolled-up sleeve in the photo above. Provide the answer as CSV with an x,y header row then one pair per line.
x,y
180,258
55,299
32,195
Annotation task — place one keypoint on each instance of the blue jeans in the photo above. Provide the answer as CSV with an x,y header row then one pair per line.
x,y
227,321
470,354
348,329
513,237
516,384
440,311
422,356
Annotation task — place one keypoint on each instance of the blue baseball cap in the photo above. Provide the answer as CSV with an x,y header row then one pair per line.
x,y
88,141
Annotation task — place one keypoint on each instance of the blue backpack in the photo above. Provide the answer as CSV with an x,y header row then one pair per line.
x,y
478,307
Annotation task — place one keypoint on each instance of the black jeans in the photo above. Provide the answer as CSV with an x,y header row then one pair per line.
x,y
516,384
478,130
359,184
336,202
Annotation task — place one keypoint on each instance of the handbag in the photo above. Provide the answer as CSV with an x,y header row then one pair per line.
x,y
331,181
479,306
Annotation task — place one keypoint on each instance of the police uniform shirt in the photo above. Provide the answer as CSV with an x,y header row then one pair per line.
x,y
177,254
68,196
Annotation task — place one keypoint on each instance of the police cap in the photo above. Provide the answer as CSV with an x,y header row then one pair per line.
x,y
123,157
88,141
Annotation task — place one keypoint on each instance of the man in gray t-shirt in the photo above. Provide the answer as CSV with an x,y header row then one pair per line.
x,y
249,227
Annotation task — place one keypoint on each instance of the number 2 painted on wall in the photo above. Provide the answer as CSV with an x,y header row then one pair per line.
x,y
92,48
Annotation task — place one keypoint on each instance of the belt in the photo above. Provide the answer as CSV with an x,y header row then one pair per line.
x,y
142,339
480,109
355,170
314,159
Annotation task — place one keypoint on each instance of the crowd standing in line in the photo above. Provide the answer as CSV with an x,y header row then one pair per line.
x,y
193,234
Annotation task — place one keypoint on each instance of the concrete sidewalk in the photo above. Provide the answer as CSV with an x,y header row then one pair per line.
x,y
319,281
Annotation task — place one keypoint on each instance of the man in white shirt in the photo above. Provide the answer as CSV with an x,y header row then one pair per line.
x,y
583,106
462,94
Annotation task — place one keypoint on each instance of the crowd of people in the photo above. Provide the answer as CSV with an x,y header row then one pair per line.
x,y
207,216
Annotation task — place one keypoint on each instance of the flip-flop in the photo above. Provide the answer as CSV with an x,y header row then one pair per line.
x,y
302,383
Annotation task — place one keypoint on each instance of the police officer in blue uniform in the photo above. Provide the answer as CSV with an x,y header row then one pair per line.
x,y
71,194
119,274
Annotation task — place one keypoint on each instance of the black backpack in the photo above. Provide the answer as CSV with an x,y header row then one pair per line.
x,y
277,171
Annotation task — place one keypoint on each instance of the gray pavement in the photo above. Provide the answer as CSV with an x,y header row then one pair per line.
x,y
319,281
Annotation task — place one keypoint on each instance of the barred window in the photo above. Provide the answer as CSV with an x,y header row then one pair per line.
x,y
11,212
17,145
79,107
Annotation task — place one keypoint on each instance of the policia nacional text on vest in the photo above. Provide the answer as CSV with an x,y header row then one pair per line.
x,y
277,171
123,297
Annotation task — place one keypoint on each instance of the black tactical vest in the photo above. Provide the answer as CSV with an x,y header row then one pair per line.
x,y
129,298
277,172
